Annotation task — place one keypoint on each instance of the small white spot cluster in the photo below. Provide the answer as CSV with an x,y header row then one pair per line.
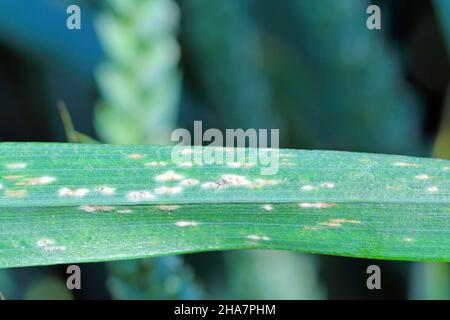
x,y
186,151
169,176
338,222
136,156
67,192
257,237
316,205
308,188
267,207
186,224
36,181
140,195
105,190
49,245
88,208
240,164
185,164
422,177
168,207
405,164
189,182
235,180
168,190
325,185
211,185
227,180
16,166
155,163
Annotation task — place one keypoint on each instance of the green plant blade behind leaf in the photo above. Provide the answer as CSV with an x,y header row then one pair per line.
x,y
66,203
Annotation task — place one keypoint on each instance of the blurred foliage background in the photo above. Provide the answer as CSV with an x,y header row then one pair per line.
x,y
137,69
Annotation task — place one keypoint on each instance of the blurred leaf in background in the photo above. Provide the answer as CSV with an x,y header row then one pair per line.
x,y
339,84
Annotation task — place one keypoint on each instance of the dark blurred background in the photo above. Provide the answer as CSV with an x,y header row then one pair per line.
x,y
137,69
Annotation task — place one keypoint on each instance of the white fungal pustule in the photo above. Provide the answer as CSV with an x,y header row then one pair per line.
x,y
327,185
184,223
234,180
257,237
49,245
432,189
405,164
78,193
105,190
169,176
185,164
136,156
186,151
227,180
168,207
36,181
234,164
407,239
168,190
308,188
89,208
316,205
16,166
267,207
422,177
16,193
334,223
1,186
155,163
189,182
210,185
446,168
141,195
45,242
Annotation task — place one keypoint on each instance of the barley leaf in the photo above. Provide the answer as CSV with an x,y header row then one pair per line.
x,y
68,203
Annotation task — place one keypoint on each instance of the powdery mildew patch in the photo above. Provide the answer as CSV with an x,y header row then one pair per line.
x,y
36,181
16,166
183,223
169,176
78,193
140,195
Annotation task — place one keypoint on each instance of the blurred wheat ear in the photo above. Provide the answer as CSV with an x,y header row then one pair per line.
x,y
67,203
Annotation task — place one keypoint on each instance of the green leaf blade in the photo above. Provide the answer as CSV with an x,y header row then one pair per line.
x,y
340,203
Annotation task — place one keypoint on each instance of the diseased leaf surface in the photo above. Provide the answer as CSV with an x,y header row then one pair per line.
x,y
66,203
